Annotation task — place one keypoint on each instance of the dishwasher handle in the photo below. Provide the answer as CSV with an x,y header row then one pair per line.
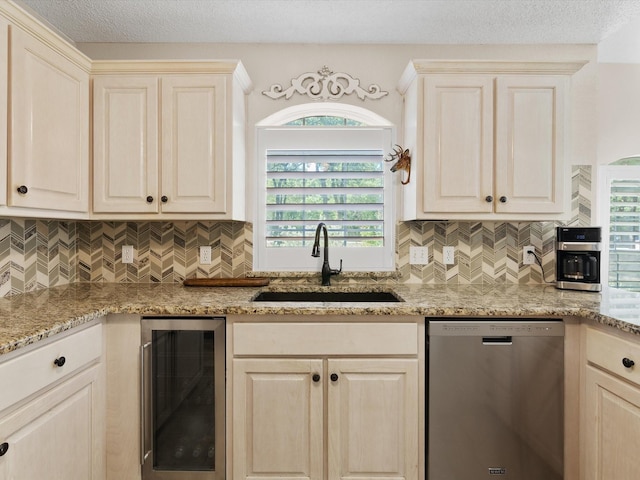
x,y
501,340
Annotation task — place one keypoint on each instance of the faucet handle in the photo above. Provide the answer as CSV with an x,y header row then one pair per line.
x,y
336,272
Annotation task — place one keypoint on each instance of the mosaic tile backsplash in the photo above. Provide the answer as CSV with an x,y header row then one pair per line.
x,y
37,254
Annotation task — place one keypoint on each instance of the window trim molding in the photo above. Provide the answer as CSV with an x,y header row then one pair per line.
x,y
351,112
606,174
277,121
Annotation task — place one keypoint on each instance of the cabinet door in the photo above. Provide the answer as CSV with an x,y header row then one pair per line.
x,y
530,130
372,419
612,424
4,79
458,143
194,144
55,435
278,415
125,144
49,128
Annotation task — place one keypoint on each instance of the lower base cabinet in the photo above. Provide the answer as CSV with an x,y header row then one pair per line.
x,y
612,408
54,436
333,416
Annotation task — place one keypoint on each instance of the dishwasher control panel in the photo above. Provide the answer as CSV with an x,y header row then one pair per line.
x,y
487,327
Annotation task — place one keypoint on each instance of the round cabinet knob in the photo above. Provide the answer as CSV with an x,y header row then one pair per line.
x,y
334,377
627,362
149,199
503,199
488,199
316,377
164,199
3,448
22,189
60,361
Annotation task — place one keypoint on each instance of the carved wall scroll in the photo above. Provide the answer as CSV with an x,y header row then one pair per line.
x,y
325,85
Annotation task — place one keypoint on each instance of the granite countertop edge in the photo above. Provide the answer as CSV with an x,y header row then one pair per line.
x,y
28,318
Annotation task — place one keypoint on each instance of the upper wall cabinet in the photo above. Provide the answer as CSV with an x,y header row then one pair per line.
x,y
47,106
169,140
488,140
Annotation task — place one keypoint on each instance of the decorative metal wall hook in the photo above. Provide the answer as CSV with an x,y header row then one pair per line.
x,y
325,85
403,162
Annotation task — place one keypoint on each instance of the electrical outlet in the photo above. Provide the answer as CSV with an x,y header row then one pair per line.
x,y
127,254
205,255
448,254
418,255
528,258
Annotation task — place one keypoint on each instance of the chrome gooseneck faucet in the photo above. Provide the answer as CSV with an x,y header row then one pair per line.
x,y
327,271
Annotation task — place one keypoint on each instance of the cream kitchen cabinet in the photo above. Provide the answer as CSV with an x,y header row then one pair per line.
x,y
52,410
488,139
47,106
328,400
4,108
49,153
612,407
169,140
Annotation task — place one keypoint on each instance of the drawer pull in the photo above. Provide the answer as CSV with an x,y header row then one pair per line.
x,y
316,377
627,362
3,448
334,377
58,362
149,199
22,189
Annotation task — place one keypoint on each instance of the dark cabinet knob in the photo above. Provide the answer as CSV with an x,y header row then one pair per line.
x,y
3,448
488,199
164,199
149,199
503,199
316,377
22,189
334,377
60,361
627,362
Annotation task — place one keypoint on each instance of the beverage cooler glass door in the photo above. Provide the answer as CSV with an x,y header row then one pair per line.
x,y
183,398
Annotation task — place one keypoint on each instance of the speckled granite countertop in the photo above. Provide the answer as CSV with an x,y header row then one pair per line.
x,y
27,318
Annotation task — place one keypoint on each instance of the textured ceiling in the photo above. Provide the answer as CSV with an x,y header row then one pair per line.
x,y
338,21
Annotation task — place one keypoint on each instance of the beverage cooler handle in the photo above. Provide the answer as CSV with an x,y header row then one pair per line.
x,y
144,453
592,274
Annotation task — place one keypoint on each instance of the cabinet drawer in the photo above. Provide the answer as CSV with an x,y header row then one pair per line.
x,y
325,339
608,352
26,374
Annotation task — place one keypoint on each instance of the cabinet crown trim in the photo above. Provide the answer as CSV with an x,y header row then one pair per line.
x,y
490,67
44,32
182,67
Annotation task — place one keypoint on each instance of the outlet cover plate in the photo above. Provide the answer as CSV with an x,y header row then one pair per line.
x,y
127,254
418,255
448,255
205,255
527,258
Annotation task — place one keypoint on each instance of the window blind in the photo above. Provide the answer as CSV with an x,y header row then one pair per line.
x,y
342,188
624,235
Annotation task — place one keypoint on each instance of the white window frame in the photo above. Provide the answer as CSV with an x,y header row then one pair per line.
x,y
272,133
607,174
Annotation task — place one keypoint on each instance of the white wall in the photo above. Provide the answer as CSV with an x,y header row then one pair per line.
x,y
618,111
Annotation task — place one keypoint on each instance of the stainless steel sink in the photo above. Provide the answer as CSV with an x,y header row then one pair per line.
x,y
328,296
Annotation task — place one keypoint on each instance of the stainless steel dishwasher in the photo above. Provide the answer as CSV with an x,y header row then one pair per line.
x,y
495,399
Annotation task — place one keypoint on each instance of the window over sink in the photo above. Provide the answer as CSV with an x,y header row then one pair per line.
x,y
324,163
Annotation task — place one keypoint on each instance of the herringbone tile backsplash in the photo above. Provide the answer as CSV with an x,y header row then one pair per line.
x,y
37,254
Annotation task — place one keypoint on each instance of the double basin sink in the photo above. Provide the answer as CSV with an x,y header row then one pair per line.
x,y
327,296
